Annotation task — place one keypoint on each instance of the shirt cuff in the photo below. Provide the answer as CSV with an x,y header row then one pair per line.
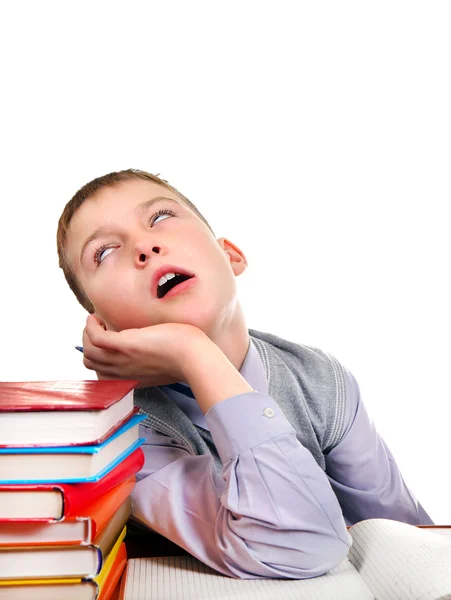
x,y
244,421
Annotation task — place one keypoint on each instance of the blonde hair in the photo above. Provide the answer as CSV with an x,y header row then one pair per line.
x,y
87,191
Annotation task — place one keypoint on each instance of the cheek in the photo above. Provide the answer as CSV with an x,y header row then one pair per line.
x,y
113,293
122,314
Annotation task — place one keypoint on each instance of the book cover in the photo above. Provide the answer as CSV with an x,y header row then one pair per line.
x,y
110,580
62,413
69,464
26,396
59,501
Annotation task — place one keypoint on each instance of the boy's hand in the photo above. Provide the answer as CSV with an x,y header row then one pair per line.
x,y
155,355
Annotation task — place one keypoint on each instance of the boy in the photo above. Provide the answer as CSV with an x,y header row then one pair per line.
x,y
258,451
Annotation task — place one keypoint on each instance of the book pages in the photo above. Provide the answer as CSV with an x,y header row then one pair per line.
x,y
401,562
445,531
176,577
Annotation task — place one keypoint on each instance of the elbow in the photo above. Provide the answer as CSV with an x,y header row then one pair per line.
x,y
322,559
319,558
308,555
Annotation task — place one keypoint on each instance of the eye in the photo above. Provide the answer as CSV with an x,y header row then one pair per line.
x,y
101,253
161,212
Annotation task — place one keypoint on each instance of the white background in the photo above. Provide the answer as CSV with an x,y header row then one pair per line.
x,y
314,135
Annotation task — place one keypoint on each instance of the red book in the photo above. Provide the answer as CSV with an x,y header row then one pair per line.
x,y
62,413
57,501
82,529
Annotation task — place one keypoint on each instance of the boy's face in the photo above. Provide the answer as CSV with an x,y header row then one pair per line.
x,y
115,268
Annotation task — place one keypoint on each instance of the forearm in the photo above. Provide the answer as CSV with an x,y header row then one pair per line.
x,y
210,375
278,502
272,513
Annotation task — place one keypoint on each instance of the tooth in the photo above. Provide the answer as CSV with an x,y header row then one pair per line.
x,y
165,278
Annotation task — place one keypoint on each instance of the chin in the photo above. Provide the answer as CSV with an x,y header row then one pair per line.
x,y
201,321
121,326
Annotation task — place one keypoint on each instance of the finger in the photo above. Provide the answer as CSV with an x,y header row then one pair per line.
x,y
107,370
94,363
102,376
100,355
100,337
95,353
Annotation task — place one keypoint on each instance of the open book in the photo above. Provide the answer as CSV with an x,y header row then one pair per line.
x,y
388,560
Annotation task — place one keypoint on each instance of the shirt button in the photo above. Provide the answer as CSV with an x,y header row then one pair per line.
x,y
269,412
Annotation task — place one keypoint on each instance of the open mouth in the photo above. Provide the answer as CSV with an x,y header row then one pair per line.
x,y
169,284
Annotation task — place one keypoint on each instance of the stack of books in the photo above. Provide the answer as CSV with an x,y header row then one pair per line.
x,y
69,453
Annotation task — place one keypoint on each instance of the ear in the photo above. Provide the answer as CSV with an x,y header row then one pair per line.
x,y
236,257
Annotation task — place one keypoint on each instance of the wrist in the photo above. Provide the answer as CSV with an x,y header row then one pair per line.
x,y
196,344
210,374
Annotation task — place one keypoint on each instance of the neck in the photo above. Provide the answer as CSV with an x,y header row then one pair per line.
x,y
232,337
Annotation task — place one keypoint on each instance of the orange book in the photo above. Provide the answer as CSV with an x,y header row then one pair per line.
x,y
64,561
83,529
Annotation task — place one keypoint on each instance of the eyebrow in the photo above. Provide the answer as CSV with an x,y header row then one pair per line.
x,y
139,210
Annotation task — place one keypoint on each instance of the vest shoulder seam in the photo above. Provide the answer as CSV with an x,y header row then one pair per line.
x,y
336,430
262,350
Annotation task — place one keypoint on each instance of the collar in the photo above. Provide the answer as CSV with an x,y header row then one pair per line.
x,y
252,370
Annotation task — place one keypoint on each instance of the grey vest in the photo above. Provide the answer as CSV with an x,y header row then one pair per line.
x,y
307,384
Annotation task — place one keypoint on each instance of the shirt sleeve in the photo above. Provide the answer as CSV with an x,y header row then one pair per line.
x,y
363,473
270,513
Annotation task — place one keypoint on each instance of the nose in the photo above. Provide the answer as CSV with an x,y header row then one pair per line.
x,y
143,251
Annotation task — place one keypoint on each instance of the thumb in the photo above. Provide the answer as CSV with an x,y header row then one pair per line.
x,y
101,376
